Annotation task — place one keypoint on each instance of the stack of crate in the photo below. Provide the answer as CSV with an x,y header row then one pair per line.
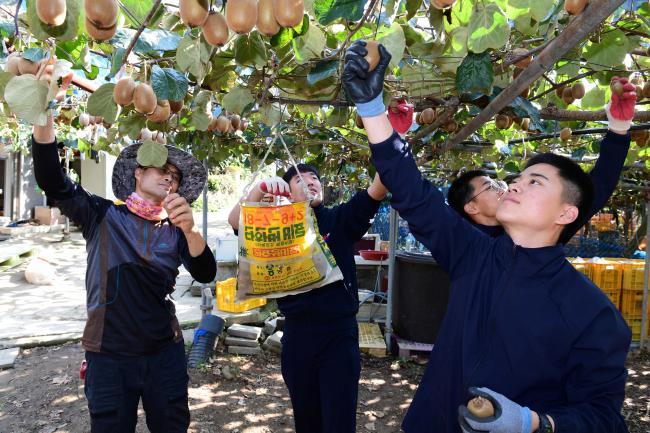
x,y
622,281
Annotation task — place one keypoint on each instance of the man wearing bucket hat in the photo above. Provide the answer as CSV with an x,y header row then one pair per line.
x,y
133,342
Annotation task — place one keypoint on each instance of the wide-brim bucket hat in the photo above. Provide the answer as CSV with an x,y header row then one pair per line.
x,y
193,172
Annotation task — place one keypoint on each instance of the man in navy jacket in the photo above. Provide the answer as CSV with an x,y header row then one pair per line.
x,y
320,346
544,345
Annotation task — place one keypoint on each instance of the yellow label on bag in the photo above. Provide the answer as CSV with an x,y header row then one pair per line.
x,y
281,251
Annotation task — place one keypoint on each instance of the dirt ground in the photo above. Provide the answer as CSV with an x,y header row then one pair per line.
x,y
43,394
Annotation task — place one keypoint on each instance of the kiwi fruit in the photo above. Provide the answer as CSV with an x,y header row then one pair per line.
x,y
525,124
176,106
358,122
266,22
565,134
373,55
235,121
523,63
442,4
84,119
288,13
160,138
567,96
212,124
637,81
243,125
418,118
578,91
525,92
480,407
13,60
575,7
639,92
451,126
517,120
100,33
617,88
646,90
215,30
502,121
640,137
427,116
123,91
222,124
193,12
51,12
144,99
241,15
145,134
101,13
161,113
27,66
559,91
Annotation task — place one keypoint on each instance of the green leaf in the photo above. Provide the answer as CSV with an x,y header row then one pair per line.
x,y
35,54
132,125
76,52
117,58
5,77
412,7
237,100
201,108
328,11
139,8
272,114
455,51
321,71
309,46
149,42
283,37
475,74
193,56
101,103
168,83
152,154
531,9
488,28
65,32
595,98
27,98
609,52
250,50
394,41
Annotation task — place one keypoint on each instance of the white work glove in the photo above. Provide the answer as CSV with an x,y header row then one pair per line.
x,y
275,186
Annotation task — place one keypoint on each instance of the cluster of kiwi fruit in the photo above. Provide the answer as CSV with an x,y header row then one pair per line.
x,y
640,137
225,124
575,7
87,120
51,12
241,16
143,98
429,115
101,18
157,136
569,94
18,65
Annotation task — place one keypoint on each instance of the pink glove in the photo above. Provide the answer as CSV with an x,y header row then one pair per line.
x,y
620,110
276,186
403,118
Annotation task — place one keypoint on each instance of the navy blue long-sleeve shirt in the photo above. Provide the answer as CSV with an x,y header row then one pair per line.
x,y
132,265
341,226
521,321
604,175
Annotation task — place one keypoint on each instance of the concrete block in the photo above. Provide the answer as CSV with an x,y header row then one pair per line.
x,y
245,331
8,357
236,341
279,324
241,350
275,340
270,326
246,317
272,349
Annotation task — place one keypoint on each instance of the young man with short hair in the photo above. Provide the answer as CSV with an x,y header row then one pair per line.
x,y
133,341
320,347
523,328
475,196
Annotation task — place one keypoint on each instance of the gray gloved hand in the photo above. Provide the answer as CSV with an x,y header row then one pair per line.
x,y
509,417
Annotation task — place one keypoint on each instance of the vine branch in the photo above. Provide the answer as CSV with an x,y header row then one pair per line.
x,y
144,24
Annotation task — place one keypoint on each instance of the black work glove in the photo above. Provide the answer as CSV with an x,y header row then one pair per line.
x,y
365,88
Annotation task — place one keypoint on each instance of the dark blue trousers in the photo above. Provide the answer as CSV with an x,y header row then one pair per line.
x,y
114,385
321,369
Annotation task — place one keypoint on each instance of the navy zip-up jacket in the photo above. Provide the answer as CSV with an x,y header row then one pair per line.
x,y
520,321
341,226
132,265
604,176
